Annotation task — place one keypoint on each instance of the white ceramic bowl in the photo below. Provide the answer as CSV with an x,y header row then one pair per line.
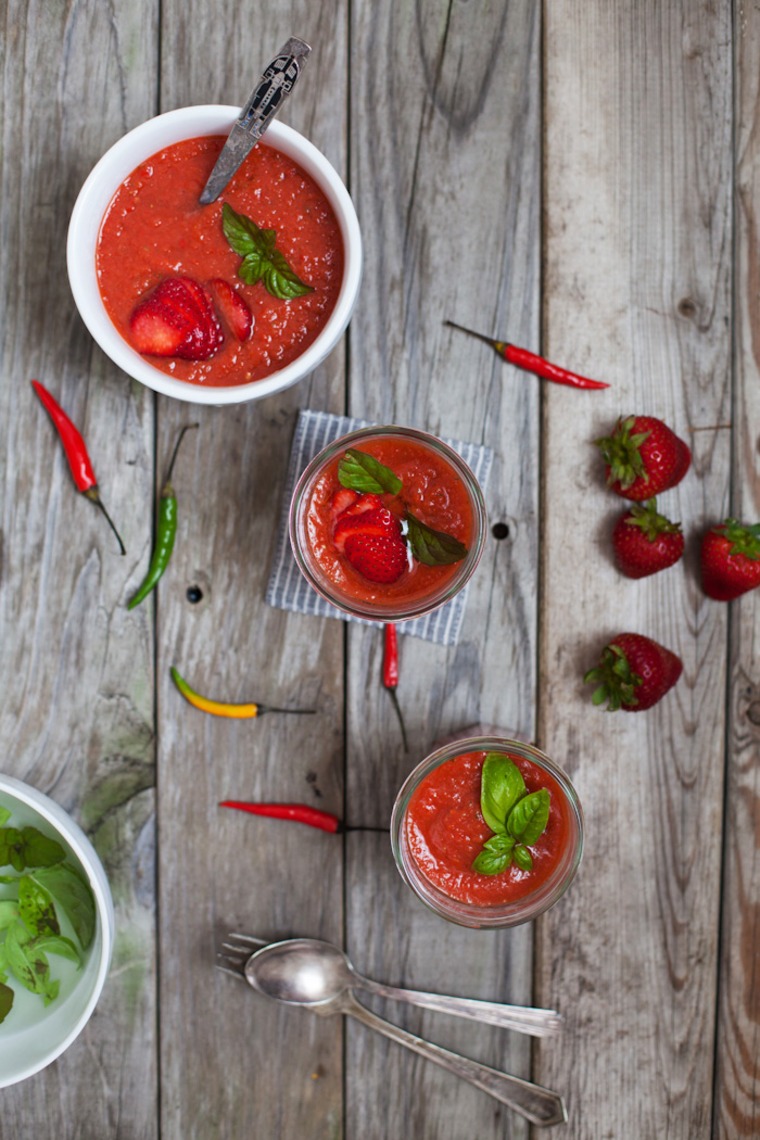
x,y
32,1035
100,187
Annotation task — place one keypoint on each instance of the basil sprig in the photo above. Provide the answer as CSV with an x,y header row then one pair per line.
x,y
44,885
516,817
262,260
361,472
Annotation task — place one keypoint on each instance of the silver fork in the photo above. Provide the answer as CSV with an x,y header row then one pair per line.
x,y
246,957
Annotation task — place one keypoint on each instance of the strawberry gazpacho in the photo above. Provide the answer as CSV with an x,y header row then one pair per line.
x,y
488,832
227,293
387,523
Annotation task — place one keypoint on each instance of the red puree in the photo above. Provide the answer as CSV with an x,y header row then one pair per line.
x,y
445,831
432,490
155,228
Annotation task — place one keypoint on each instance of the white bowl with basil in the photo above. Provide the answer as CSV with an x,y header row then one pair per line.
x,y
56,930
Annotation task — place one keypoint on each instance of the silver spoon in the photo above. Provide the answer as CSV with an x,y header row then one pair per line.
x,y
294,973
309,961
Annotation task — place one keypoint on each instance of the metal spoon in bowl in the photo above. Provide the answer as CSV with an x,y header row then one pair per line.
x,y
318,969
294,973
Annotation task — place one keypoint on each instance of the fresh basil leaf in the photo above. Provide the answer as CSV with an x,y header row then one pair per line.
x,y
8,912
28,964
11,848
361,472
529,817
495,856
262,261
41,850
522,857
73,895
501,785
58,944
36,908
6,1001
433,547
5,815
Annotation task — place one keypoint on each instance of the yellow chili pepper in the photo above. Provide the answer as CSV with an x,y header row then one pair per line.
x,y
224,708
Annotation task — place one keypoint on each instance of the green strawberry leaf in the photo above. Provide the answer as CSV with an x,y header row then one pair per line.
x,y
432,547
501,786
495,856
361,472
529,817
262,260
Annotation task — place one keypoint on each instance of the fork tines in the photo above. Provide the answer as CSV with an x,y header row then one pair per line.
x,y
234,951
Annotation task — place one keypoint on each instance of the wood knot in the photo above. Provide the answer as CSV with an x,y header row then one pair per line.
x,y
687,308
753,712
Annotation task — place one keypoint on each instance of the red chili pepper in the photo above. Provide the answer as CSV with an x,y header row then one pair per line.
x,y
296,813
390,673
76,453
530,362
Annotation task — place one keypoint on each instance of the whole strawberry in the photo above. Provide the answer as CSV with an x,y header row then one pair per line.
x,y
730,560
643,457
634,673
645,542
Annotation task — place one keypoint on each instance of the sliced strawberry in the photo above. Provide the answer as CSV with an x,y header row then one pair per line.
x,y
377,522
233,307
379,557
176,319
342,500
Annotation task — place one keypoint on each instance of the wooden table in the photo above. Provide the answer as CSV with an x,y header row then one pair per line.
x,y
578,178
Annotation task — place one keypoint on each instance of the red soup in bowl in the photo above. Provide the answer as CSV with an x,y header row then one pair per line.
x,y
155,230
387,523
488,832
219,303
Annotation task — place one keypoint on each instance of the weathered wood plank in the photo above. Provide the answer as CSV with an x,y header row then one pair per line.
x,y
76,670
276,1071
737,1106
637,292
445,174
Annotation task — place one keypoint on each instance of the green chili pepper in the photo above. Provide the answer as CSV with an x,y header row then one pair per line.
x,y
166,531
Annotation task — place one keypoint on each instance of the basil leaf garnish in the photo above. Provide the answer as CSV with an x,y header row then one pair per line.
x,y
495,856
5,815
516,816
529,817
262,260
501,785
432,547
361,472
522,857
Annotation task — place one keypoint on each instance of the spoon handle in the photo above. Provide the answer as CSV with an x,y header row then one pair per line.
x,y
524,1019
539,1105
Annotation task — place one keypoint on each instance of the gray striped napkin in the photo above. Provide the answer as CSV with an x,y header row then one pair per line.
x,y
288,589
